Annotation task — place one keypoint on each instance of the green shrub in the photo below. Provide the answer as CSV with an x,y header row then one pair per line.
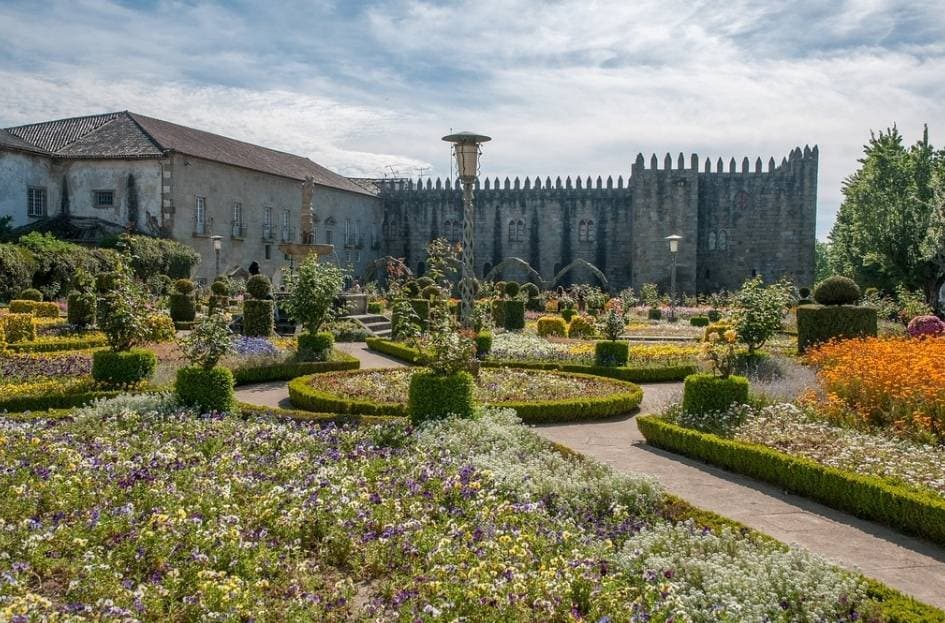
x,y
17,266
158,256
57,262
184,325
869,497
375,307
206,390
512,289
421,307
654,313
218,302
513,317
292,369
346,330
837,290
714,315
412,288
54,344
425,282
257,317
31,294
184,286
3,337
819,323
430,292
568,313
315,347
159,328
123,367
611,354
433,397
46,310
81,309
483,343
707,393
581,327
22,306
220,287
19,327
530,290
716,327
552,326
699,321
259,286
182,306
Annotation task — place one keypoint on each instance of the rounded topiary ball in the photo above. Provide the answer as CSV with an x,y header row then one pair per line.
x,y
512,289
430,292
259,286
531,290
412,289
31,294
837,290
424,282
184,286
220,288
804,292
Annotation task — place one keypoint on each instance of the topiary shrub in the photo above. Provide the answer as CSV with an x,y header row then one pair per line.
x,y
375,307
430,292
425,282
184,286
512,289
530,290
159,328
707,393
19,328
837,290
183,307
514,315
259,287
654,313
499,288
581,327
483,343
123,367
805,292
552,326
715,327
699,321
218,302
315,347
206,390
220,287
22,306
924,326
820,323
412,288
46,309
714,315
81,309
31,294
568,313
434,397
257,317
611,354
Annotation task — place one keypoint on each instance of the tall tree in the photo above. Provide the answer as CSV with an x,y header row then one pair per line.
x,y
882,236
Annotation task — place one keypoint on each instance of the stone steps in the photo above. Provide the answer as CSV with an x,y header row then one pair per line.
x,y
376,324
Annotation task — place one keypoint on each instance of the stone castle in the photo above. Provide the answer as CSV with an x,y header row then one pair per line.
x,y
735,223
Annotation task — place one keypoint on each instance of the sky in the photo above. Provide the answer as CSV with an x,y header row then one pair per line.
x,y
564,87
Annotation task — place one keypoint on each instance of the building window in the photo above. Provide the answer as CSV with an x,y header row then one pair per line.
x,y
236,218
268,252
723,240
586,231
711,242
328,237
286,230
36,201
267,223
347,232
103,198
517,231
358,260
200,215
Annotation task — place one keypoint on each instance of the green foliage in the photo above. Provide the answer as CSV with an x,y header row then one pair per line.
x,y
650,295
375,307
568,313
218,303
208,342
159,328
821,261
57,262
125,367
865,496
17,266
220,287
837,290
31,294
483,343
718,328
157,256
819,323
612,325
582,327
412,288
291,369
890,228
654,313
512,289
22,306
311,293
206,389
259,286
315,346
707,393
54,344
46,309
911,304
257,317
424,282
430,292
513,315
184,286
81,304
530,290
611,353
758,311
435,396
714,315
121,311
444,350
183,307
19,327
552,326
699,321
405,322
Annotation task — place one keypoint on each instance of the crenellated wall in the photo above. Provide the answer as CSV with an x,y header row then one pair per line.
x,y
734,222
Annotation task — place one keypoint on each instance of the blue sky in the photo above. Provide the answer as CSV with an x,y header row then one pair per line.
x,y
566,87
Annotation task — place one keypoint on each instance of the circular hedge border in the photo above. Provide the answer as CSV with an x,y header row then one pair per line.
x,y
304,396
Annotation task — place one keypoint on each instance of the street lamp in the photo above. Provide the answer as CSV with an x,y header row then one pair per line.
x,y
217,245
466,148
673,250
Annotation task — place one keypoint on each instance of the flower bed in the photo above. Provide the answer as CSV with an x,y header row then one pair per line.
x,y
253,372
15,368
537,396
135,509
527,347
889,382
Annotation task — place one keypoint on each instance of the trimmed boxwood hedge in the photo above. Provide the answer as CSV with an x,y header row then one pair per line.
x,y
647,374
81,309
611,353
183,307
22,306
18,328
869,497
819,323
59,343
483,343
41,402
257,317
705,392
322,418
288,371
123,367
304,396
433,397
205,390
315,347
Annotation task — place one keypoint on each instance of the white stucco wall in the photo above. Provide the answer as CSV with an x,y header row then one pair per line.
x,y
86,176
19,171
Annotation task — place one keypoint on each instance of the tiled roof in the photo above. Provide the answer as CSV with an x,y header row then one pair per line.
x,y
130,135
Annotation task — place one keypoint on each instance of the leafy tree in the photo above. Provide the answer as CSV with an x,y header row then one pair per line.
x,y
889,230
312,291
821,262
209,341
759,310
123,310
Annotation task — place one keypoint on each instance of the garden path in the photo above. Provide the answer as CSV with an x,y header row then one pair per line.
x,y
913,566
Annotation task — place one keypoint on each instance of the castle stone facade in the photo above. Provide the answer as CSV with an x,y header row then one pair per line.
x,y
736,222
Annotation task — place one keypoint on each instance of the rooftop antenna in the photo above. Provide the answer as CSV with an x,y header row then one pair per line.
x,y
391,171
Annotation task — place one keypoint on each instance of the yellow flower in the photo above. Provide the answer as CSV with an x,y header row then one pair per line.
x,y
730,336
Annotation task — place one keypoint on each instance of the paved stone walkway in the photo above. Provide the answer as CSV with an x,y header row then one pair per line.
x,y
913,566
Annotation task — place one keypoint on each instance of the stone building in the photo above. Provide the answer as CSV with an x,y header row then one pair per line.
x,y
128,171
735,223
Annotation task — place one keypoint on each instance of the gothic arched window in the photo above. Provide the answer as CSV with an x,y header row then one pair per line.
x,y
521,230
586,231
723,240
591,234
711,242
516,230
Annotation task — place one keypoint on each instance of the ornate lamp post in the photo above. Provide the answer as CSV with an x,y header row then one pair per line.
x,y
466,148
673,250
217,245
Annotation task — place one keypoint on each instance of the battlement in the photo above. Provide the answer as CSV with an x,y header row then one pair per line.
x,y
791,164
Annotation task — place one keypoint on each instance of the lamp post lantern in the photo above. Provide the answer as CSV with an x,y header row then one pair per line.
x,y
466,149
217,245
673,250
